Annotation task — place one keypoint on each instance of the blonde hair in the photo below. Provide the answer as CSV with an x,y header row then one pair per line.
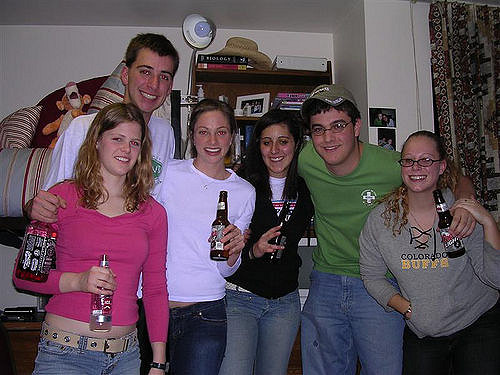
x,y
396,209
88,178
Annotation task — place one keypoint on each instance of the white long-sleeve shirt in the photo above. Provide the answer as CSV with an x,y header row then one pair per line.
x,y
191,198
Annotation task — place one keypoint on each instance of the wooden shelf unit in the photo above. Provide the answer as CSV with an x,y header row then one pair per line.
x,y
233,83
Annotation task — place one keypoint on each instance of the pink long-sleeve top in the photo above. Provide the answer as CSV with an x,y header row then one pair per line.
x,y
134,242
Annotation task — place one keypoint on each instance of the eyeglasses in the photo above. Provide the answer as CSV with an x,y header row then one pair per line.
x,y
424,162
337,127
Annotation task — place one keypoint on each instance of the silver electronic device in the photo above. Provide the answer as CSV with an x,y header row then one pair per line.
x,y
317,64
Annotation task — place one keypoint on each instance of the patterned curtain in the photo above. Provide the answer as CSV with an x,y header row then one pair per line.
x,y
465,57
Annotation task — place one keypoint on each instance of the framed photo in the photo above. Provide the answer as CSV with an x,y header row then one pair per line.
x,y
386,138
253,105
383,117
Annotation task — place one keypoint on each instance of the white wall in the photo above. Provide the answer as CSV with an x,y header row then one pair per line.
x,y
350,59
374,59
390,62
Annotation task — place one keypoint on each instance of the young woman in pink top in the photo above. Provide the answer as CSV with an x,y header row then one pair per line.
x,y
106,209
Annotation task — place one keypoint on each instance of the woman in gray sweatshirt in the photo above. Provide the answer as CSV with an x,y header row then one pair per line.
x,y
450,304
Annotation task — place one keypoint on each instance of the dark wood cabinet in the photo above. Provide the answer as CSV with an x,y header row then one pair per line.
x,y
23,339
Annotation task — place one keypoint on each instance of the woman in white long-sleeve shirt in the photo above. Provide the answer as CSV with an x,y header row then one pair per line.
x,y
196,283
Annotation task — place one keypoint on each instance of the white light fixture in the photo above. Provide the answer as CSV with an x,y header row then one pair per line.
x,y
198,32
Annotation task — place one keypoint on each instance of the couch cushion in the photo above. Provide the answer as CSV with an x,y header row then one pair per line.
x,y
22,172
50,112
111,91
18,128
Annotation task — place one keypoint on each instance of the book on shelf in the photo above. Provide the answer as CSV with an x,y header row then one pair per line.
x,y
295,96
220,59
221,66
289,107
287,104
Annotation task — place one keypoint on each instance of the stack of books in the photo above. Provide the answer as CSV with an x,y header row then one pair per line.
x,y
222,62
291,101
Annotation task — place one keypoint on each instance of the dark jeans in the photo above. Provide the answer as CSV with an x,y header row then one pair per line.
x,y
474,350
197,338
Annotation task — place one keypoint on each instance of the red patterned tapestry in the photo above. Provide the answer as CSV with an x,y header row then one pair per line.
x,y
465,57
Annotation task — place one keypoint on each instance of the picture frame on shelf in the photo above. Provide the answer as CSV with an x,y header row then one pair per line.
x,y
253,105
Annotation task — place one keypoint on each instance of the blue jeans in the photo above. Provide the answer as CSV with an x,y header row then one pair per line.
x,y
473,350
341,321
57,359
197,338
260,333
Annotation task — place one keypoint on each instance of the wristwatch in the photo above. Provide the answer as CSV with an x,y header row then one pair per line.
x,y
408,311
161,366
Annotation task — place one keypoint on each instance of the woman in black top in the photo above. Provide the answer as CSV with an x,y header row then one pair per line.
x,y
263,305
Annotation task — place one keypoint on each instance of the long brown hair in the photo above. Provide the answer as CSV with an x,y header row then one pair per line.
x,y
88,178
396,210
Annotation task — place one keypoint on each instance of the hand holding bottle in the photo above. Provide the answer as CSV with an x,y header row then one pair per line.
x,y
479,213
98,280
233,241
262,246
89,281
463,223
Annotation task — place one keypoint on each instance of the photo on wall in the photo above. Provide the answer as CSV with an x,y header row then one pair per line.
x,y
383,117
387,138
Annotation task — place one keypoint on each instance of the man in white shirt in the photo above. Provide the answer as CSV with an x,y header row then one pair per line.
x,y
151,62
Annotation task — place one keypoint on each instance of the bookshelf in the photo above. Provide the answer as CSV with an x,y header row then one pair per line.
x,y
233,83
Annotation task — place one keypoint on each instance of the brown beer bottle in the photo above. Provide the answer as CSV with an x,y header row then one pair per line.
x,y
217,251
453,245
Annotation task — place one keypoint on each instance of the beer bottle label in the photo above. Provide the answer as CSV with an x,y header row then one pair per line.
x,y
450,242
221,206
442,207
216,243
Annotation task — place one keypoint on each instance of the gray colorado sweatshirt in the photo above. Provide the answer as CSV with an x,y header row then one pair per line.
x,y
446,295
